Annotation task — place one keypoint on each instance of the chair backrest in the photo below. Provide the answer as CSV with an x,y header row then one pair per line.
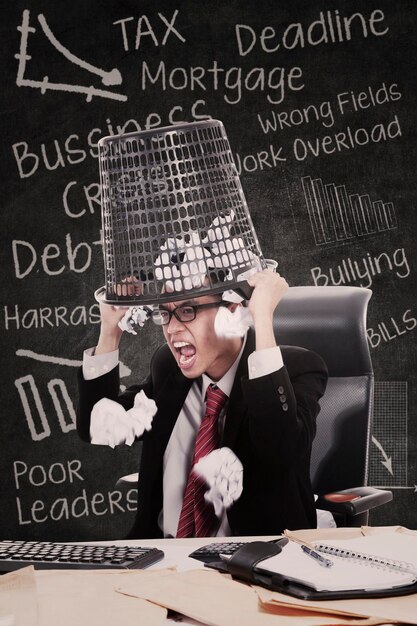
x,y
332,322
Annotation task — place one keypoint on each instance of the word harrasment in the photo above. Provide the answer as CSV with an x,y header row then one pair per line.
x,y
45,317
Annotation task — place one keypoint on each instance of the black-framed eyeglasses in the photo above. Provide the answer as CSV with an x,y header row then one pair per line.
x,y
183,313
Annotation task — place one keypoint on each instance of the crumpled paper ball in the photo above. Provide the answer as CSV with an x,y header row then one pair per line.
x,y
134,316
181,263
231,296
112,425
235,323
223,472
185,261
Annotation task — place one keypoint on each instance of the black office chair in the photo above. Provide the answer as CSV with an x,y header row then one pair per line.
x,y
332,322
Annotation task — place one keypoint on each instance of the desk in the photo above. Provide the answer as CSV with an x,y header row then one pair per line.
x,y
101,597
177,550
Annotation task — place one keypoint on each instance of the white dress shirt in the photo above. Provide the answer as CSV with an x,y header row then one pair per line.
x,y
179,451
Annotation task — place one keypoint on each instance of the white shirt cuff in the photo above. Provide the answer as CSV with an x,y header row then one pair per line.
x,y
264,362
97,365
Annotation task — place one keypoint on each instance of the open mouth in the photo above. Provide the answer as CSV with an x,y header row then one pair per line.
x,y
186,353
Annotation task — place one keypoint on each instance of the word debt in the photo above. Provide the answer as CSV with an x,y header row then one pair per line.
x,y
53,259
348,139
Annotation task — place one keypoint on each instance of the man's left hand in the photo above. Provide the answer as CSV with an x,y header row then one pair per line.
x,y
269,288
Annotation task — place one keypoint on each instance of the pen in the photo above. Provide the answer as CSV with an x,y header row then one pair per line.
x,y
321,560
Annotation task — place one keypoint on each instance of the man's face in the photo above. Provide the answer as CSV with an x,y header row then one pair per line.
x,y
195,346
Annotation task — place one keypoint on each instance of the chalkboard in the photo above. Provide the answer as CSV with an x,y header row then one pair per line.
x,y
318,101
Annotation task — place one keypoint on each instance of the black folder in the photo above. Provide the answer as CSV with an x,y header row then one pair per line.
x,y
246,565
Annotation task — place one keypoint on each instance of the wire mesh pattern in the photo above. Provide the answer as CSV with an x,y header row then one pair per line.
x,y
390,435
175,218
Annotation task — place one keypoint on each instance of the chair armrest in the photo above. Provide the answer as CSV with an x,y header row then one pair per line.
x,y
353,501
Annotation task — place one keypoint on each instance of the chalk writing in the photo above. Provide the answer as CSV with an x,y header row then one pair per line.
x,y
77,147
29,511
348,139
107,503
371,97
232,82
364,270
281,120
391,329
331,27
40,475
44,317
326,111
144,29
28,162
262,160
54,259
90,193
386,460
34,412
112,77
63,404
47,358
336,216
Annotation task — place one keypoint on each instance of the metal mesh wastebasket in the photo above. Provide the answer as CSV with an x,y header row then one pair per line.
x,y
175,219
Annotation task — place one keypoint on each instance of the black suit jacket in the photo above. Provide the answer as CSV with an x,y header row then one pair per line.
x,y
270,425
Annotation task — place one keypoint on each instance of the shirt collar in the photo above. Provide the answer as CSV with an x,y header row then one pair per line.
x,y
226,382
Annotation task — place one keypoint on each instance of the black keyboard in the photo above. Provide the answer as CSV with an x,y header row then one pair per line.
x,y
211,552
47,555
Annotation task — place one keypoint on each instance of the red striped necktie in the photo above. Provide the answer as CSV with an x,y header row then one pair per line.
x,y
197,518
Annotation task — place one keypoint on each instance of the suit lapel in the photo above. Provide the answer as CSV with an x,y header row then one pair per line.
x,y
169,400
237,405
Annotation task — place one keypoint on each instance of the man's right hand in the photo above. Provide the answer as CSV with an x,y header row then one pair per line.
x,y
110,333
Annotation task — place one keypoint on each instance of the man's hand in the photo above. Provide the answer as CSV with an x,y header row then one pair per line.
x,y
110,333
223,472
269,288
130,286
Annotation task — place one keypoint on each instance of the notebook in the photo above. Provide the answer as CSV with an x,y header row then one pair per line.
x,y
366,563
